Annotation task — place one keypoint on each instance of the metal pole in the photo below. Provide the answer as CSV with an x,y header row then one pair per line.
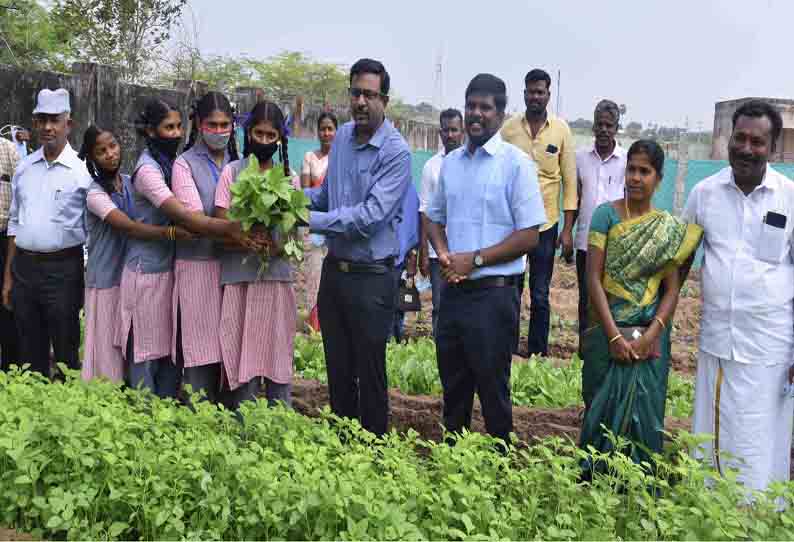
x,y
557,108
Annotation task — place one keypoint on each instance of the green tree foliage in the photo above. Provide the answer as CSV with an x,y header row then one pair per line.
x,y
31,38
290,74
127,34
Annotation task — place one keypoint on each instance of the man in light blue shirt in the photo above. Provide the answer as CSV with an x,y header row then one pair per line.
x,y
484,218
358,209
43,281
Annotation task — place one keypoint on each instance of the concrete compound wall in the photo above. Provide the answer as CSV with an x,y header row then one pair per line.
x,y
98,96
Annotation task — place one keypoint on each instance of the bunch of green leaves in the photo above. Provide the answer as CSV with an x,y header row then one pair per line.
x,y
268,199
94,461
538,382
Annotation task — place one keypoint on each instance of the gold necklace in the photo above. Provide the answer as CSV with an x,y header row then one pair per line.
x,y
626,208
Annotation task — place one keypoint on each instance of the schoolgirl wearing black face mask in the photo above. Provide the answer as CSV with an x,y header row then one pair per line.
x,y
259,313
147,327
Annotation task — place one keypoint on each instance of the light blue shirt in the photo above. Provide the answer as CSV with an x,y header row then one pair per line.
x,y
359,205
48,202
484,197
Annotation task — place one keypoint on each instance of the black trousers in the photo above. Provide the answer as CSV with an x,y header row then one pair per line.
x,y
541,269
474,347
47,297
356,312
581,278
9,337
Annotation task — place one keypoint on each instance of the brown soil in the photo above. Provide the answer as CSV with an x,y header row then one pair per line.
x,y
8,534
422,413
564,298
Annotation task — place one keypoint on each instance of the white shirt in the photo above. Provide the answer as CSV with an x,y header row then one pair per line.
x,y
600,181
48,202
430,174
748,303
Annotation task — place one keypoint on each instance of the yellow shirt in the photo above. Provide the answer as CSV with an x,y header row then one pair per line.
x,y
555,156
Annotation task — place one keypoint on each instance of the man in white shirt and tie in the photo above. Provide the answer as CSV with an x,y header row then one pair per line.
x,y
747,326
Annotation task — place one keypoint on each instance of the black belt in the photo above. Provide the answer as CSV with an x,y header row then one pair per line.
x,y
487,282
65,254
378,267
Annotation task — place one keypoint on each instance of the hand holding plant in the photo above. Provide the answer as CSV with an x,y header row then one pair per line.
x,y
267,203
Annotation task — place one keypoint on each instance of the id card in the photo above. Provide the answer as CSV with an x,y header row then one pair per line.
x,y
772,242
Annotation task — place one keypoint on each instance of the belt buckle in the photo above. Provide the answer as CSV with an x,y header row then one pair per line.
x,y
344,267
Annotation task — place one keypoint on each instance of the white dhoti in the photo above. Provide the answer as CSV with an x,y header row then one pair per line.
x,y
743,406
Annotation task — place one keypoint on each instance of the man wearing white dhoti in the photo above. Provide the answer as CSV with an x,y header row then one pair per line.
x,y
747,327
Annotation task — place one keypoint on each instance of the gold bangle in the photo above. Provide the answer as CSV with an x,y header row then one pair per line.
x,y
661,322
615,338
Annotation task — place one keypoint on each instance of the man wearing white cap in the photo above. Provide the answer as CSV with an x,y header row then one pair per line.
x,y
43,281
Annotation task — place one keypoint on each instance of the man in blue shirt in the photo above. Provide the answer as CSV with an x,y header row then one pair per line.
x,y
43,281
409,234
484,217
358,208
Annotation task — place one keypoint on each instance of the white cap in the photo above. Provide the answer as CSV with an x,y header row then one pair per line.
x,y
52,102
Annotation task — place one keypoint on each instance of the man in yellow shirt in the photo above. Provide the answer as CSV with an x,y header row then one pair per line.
x,y
548,141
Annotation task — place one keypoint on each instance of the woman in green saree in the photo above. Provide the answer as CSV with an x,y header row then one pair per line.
x,y
634,257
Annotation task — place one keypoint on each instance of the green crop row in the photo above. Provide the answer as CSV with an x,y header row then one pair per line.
x,y
91,461
412,368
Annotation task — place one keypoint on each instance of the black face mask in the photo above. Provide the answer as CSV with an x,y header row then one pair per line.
x,y
263,151
167,145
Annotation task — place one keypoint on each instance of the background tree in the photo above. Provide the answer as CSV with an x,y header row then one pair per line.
x,y
290,74
31,38
126,34
634,128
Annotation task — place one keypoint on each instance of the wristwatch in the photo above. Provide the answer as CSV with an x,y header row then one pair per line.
x,y
478,261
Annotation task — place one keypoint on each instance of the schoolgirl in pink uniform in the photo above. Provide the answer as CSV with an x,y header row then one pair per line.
x,y
147,283
259,314
109,203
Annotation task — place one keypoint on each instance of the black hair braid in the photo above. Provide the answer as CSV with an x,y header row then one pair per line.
x,y
284,151
194,127
231,146
165,164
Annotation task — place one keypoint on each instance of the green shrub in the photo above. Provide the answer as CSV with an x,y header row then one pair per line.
x,y
90,461
412,368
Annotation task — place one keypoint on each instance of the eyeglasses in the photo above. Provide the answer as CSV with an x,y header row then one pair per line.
x,y
368,94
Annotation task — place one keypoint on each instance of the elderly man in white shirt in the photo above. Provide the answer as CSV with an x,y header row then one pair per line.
x,y
452,136
747,327
601,173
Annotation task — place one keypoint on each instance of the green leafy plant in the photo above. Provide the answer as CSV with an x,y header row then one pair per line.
x,y
94,461
412,368
268,199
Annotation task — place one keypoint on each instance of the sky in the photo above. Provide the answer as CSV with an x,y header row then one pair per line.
x,y
669,61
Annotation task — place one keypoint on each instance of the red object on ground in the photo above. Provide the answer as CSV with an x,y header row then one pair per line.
x,y
314,319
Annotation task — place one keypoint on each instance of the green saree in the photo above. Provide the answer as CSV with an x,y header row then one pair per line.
x,y
629,399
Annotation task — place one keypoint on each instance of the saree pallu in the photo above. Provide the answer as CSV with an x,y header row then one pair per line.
x,y
628,400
